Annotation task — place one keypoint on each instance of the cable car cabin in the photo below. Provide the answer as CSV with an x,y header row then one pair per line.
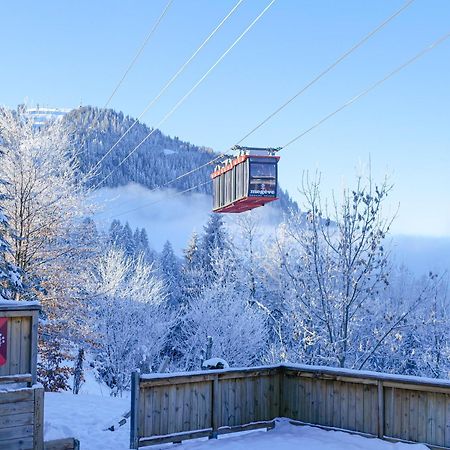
x,y
245,182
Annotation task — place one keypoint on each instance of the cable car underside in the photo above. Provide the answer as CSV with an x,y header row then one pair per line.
x,y
246,182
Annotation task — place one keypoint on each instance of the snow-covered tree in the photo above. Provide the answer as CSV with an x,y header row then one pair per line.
x,y
337,269
224,312
171,274
130,319
44,198
10,277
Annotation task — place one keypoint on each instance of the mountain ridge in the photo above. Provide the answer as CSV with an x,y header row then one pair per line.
x,y
159,159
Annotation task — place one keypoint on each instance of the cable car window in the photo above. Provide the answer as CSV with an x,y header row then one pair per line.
x,y
258,170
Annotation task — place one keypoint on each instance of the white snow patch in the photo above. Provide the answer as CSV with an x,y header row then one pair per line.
x,y
213,363
168,151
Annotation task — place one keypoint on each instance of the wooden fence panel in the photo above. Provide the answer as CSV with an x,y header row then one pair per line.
x,y
419,416
172,408
21,419
175,409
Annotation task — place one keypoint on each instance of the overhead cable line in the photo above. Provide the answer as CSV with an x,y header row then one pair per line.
x,y
141,49
300,92
328,116
370,88
150,34
328,69
186,96
169,83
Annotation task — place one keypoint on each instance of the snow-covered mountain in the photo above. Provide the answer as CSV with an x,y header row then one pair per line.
x,y
158,160
130,193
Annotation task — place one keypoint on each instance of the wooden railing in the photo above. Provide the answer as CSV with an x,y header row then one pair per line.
x,y
175,407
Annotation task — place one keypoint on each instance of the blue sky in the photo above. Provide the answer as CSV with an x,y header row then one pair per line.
x,y
63,53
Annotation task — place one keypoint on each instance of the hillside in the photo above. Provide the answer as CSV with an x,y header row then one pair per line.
x,y
160,159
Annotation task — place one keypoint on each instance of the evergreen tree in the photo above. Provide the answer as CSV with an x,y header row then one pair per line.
x,y
171,272
115,233
214,242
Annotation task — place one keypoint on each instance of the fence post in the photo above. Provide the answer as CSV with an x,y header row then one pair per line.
x,y
38,428
380,409
215,407
134,422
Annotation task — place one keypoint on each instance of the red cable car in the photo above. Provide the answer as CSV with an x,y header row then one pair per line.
x,y
246,182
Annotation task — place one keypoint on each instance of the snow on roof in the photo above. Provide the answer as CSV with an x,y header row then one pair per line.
x,y
18,305
336,371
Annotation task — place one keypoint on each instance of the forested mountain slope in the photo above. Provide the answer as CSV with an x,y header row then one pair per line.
x,y
160,158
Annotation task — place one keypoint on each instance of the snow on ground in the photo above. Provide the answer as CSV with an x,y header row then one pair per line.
x,y
86,416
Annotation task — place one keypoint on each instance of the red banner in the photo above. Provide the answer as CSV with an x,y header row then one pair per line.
x,y
3,340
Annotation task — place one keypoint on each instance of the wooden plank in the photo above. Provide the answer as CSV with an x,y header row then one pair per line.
x,y
205,408
38,431
250,398
413,416
447,420
21,395
178,437
351,424
186,408
422,409
179,399
431,418
34,345
238,402
215,406
437,388
307,411
17,444
19,378
164,417
62,444
405,414
14,420
18,307
369,423
440,419
25,360
398,413
268,424
156,412
23,431
16,344
172,410
16,313
380,410
20,407
206,376
134,421
145,412
336,405
359,400
344,404
329,403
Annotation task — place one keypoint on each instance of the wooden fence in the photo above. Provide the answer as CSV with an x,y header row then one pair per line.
x,y
21,418
175,407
